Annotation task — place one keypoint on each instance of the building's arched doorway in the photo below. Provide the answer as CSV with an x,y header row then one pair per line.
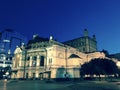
x,y
41,76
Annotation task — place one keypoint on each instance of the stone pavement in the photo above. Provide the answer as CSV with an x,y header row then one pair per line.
x,y
67,85
93,85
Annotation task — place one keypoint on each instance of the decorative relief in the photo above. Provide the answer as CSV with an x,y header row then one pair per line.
x,y
60,55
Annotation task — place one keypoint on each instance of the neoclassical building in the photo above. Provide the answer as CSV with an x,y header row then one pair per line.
x,y
84,44
46,58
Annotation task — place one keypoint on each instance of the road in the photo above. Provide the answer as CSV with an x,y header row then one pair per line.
x,y
42,85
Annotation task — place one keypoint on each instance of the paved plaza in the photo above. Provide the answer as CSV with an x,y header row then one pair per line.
x,y
68,85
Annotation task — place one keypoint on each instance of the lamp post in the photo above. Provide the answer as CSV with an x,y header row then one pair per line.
x,y
66,58
46,66
24,53
24,65
66,73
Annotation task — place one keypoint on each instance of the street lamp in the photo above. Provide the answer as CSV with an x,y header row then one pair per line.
x,y
118,64
7,73
45,65
66,73
25,53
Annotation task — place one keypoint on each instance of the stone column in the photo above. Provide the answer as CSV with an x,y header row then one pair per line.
x,y
38,61
30,64
20,62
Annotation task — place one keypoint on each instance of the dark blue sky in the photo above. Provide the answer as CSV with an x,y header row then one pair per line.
x,y
64,19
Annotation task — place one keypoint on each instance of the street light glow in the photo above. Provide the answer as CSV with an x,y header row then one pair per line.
x,y
118,64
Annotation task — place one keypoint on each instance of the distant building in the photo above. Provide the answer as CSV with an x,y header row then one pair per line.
x,y
5,59
84,44
5,64
44,58
116,56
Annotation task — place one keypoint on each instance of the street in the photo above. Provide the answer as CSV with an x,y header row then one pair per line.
x,y
42,85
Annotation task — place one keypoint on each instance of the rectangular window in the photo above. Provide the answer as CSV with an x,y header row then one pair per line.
x,y
42,61
34,63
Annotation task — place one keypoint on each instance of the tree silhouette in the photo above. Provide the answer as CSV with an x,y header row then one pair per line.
x,y
105,52
99,67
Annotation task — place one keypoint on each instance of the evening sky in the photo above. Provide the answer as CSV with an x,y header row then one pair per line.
x,y
64,19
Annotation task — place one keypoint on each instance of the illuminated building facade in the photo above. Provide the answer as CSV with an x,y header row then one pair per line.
x,y
84,44
5,60
46,58
5,64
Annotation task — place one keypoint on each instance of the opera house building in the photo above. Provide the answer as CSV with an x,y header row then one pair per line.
x,y
44,58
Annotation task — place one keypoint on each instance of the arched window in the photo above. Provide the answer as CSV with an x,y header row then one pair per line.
x,y
50,60
83,49
41,60
35,58
11,58
34,61
28,58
